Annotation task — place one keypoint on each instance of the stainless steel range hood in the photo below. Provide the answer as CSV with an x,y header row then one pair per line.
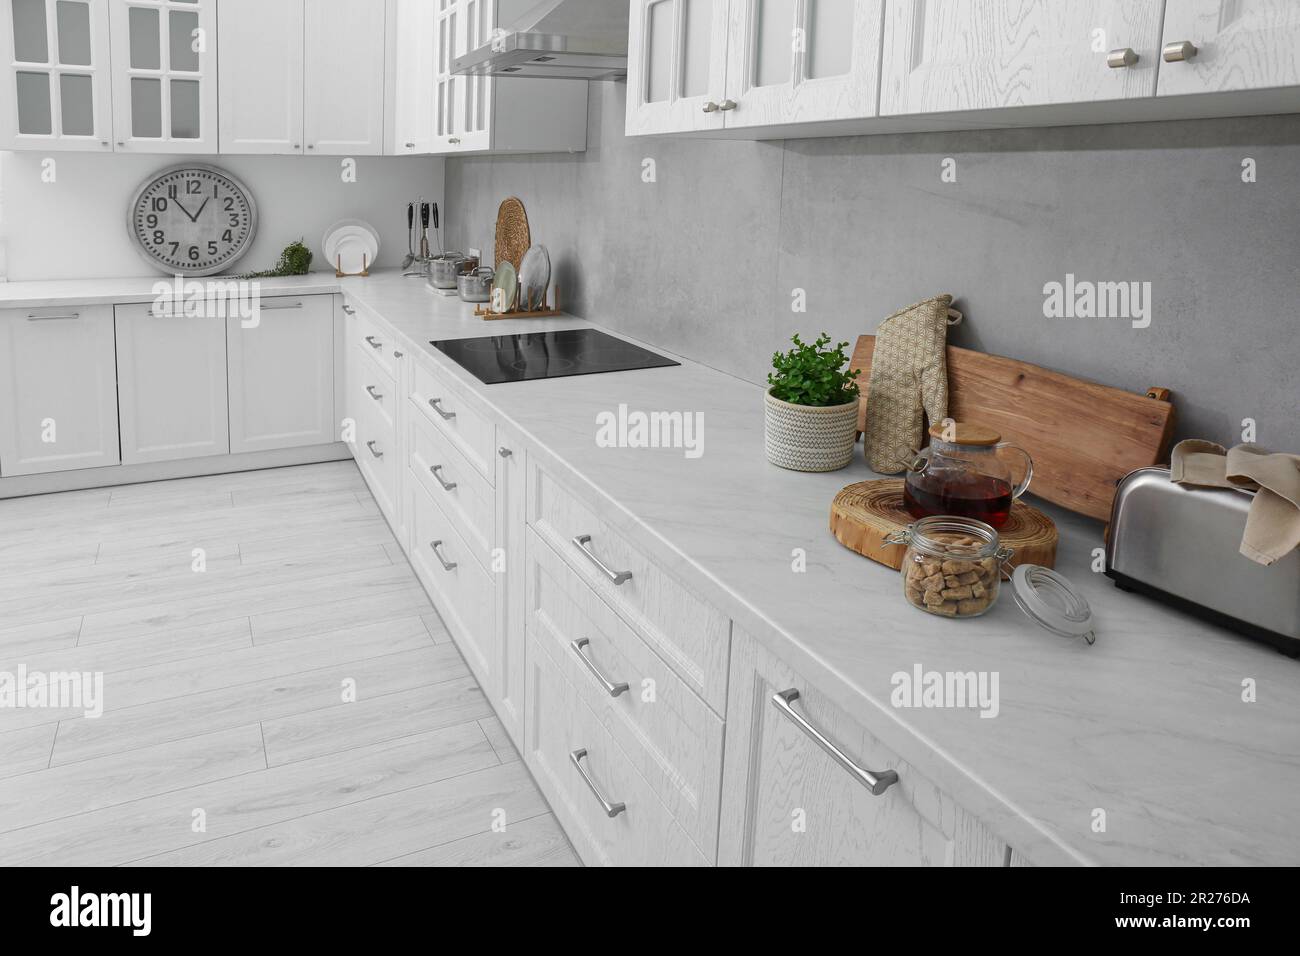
x,y
556,39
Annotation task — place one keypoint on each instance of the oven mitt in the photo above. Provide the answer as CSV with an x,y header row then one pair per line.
x,y
1273,521
909,377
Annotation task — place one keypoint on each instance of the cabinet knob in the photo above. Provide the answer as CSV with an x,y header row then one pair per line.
x,y
121,144
1179,51
311,145
454,140
410,146
396,354
710,107
504,452
727,105
1118,59
297,145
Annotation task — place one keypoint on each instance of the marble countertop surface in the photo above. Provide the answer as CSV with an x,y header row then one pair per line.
x,y
1140,749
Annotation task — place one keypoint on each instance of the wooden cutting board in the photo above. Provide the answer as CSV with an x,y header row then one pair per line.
x,y
865,513
513,237
1083,437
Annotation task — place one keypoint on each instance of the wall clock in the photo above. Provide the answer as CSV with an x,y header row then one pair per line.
x,y
192,220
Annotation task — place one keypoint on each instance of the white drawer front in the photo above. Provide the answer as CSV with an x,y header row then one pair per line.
x,y
450,409
686,631
560,728
666,730
458,488
376,454
460,589
376,389
375,339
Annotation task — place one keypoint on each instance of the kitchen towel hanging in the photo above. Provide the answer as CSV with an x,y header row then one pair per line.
x,y
909,380
1273,522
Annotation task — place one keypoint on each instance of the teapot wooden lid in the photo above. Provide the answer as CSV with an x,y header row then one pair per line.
x,y
964,433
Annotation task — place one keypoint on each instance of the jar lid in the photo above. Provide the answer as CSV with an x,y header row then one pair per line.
x,y
1050,601
964,433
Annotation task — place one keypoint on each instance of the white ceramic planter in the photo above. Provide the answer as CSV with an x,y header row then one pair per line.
x,y
809,437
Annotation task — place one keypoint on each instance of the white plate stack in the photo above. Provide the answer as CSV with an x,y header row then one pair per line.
x,y
351,245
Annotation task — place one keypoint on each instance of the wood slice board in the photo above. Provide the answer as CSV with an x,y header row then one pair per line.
x,y
513,237
1083,437
865,513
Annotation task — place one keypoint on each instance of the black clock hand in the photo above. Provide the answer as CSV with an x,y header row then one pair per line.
x,y
182,208
199,211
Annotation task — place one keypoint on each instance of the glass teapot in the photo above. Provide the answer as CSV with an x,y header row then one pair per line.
x,y
964,471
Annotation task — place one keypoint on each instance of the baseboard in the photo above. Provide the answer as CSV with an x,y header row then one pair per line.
x,y
22,485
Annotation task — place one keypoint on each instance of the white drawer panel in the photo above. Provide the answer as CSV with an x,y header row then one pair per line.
x,y
375,340
460,491
451,410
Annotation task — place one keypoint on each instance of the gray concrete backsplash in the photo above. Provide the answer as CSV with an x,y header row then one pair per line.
x,y
711,258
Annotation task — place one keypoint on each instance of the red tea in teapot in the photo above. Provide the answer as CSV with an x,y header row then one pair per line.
x,y
969,495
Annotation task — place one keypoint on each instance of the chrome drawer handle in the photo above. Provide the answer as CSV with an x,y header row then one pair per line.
x,y
610,687
710,107
434,404
727,105
1179,51
446,565
288,305
349,310
36,317
437,473
1119,59
370,340
876,782
504,452
373,394
371,446
618,577
611,809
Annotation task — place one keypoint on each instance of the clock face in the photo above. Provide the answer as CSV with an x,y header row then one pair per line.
x,y
192,220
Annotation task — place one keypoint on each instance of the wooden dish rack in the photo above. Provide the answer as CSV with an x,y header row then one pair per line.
x,y
485,312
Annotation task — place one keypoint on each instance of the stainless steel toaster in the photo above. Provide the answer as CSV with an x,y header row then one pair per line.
x,y
1180,544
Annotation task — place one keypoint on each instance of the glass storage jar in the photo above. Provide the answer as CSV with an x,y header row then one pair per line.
x,y
952,566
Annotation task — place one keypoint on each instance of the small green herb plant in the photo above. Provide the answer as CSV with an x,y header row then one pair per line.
x,y
813,374
295,260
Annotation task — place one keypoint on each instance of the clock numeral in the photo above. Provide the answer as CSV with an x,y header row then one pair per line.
x,y
193,187
215,187
171,191
175,246
159,204
212,247
234,220
230,204
158,237
194,253
151,220
227,236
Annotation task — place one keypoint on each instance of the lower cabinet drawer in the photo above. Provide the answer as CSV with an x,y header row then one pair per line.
x,y
375,450
449,408
462,592
608,810
458,488
668,733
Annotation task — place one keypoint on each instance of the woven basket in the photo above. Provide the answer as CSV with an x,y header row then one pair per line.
x,y
809,437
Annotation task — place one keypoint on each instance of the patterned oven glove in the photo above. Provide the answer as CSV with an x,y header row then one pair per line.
x,y
909,375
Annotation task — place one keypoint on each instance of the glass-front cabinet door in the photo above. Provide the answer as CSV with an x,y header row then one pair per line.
x,y
164,75
676,66
802,61
56,89
474,95
446,85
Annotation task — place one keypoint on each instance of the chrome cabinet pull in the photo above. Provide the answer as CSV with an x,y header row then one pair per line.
x,y
611,809
370,340
1178,51
437,473
504,452
454,140
1118,59
348,309
371,446
446,565
434,404
373,394
710,107
396,354
611,688
727,105
289,305
876,782
36,317
618,577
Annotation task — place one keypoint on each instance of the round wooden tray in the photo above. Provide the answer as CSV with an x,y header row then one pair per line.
x,y
865,513
513,237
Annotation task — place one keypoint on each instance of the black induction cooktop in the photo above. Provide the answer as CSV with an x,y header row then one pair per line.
x,y
493,359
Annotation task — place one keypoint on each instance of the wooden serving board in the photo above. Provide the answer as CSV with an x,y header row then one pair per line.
x,y
1083,437
865,513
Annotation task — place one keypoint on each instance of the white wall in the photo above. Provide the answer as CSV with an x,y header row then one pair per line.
x,y
75,227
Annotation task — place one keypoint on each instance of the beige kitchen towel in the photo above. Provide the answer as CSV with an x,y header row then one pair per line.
x,y
909,376
1273,522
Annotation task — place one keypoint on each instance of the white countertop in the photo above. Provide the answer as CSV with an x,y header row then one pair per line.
x,y
1148,724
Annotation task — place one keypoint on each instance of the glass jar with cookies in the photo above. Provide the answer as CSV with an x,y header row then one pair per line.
x,y
953,565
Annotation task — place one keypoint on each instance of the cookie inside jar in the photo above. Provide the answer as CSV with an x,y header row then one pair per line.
x,y
953,565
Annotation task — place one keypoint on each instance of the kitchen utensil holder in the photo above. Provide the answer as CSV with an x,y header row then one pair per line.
x,y
340,274
545,312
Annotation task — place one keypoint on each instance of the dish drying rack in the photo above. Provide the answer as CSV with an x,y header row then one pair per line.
x,y
486,313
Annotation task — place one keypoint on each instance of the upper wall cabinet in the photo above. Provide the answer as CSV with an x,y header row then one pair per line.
x,y
413,76
164,75
344,77
676,65
1215,46
260,53
988,54
56,91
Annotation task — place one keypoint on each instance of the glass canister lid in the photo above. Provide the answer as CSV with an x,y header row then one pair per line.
x,y
1050,600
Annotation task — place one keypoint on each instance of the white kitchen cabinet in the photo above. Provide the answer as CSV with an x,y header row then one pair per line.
x,y
171,374
1239,45
990,54
788,802
801,61
57,86
510,529
676,65
414,76
58,390
344,77
281,375
260,53
164,75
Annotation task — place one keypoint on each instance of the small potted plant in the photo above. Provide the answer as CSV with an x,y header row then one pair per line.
x,y
812,407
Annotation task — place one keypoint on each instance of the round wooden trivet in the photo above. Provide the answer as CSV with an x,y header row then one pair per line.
x,y
865,513
513,238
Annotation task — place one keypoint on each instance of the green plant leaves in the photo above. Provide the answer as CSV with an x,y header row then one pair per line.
x,y
813,374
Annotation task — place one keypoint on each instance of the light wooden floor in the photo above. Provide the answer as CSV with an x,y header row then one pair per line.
x,y
224,688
